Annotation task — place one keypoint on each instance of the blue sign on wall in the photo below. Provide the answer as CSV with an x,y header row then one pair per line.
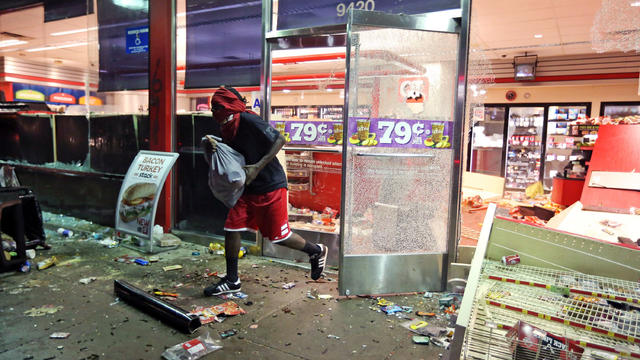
x,y
137,39
302,14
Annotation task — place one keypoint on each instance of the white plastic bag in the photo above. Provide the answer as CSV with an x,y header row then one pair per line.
x,y
192,349
226,174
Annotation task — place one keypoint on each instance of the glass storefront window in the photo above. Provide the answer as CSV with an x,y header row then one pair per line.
x,y
75,131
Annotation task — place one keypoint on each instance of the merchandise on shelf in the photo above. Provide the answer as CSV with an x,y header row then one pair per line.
x,y
307,219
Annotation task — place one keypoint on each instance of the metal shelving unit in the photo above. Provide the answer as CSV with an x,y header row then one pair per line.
x,y
565,294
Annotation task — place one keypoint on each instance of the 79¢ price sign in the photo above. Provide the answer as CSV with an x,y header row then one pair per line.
x,y
298,132
399,133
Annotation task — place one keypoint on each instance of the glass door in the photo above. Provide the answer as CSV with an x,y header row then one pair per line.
x,y
398,154
487,140
561,144
524,146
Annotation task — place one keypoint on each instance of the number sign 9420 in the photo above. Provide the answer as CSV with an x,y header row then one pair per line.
x,y
368,5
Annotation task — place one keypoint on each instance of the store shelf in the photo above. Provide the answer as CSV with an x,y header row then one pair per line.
x,y
592,317
564,282
586,148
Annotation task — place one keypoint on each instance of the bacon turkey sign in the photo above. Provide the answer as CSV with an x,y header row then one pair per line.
x,y
138,196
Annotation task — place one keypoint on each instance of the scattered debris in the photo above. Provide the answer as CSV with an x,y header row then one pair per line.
x,y
228,333
312,293
253,326
333,337
419,339
289,285
142,262
47,263
164,293
169,240
423,313
236,295
325,297
196,253
31,253
59,335
428,294
25,267
172,267
154,259
87,280
108,242
446,301
211,313
192,349
43,310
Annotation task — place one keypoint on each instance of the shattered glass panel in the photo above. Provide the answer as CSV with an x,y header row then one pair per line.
x,y
397,195
615,27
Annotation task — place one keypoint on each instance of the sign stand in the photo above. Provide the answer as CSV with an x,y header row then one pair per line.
x,y
138,197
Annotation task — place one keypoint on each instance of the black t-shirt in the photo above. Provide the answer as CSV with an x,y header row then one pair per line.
x,y
254,139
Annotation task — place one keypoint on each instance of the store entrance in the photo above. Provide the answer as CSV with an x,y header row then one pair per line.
x,y
385,154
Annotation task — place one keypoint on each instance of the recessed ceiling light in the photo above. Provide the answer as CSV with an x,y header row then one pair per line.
x,y
12,42
57,47
537,36
635,3
329,89
76,31
286,90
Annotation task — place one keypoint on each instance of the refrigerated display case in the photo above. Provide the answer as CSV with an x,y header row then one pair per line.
x,y
524,146
620,109
487,141
561,141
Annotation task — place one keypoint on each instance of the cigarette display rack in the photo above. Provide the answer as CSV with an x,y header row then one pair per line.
x,y
587,315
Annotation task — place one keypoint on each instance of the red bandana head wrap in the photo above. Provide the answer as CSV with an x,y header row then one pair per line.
x,y
226,107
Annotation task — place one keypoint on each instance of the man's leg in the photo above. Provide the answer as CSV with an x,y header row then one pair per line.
x,y
297,242
231,249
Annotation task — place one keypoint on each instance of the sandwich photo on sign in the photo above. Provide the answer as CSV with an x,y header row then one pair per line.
x,y
137,201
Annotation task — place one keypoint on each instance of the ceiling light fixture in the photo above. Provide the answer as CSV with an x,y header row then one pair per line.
x,y
635,3
286,90
12,42
57,47
76,31
538,36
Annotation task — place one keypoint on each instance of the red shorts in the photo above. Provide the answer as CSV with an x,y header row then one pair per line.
x,y
265,212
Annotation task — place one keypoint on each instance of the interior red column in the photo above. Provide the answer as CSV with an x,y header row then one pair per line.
x,y
162,65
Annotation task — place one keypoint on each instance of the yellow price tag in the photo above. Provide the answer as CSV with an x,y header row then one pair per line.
x,y
524,311
567,322
631,339
502,306
518,282
610,333
588,328
547,317
548,287
541,316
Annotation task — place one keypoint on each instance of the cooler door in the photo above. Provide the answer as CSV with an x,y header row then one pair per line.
x,y
398,165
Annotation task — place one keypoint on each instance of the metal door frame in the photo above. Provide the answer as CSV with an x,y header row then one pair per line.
x,y
376,266
428,22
